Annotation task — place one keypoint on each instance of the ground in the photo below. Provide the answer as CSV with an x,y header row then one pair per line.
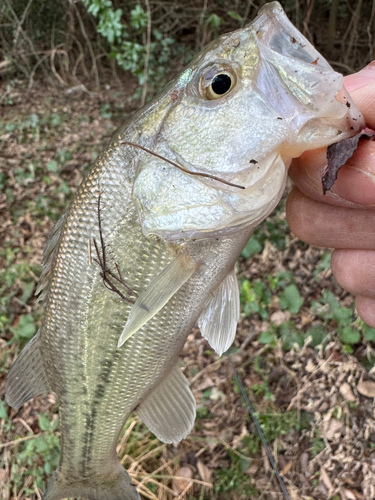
x,y
304,357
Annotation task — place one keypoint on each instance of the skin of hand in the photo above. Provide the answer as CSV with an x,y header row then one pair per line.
x,y
344,218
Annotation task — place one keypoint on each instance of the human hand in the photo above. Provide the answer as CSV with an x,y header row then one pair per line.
x,y
344,218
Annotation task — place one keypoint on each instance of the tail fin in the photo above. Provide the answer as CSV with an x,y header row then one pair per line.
x,y
118,488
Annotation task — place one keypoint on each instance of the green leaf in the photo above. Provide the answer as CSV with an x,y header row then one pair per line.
x,y
34,120
349,335
368,332
214,21
253,247
267,337
9,127
52,166
290,335
318,334
291,299
343,315
28,288
55,120
25,328
3,410
44,423
234,15
105,111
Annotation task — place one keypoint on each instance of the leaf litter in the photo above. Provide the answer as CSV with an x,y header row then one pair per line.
x,y
314,398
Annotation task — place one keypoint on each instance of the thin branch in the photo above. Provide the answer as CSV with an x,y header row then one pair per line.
x,y
20,440
201,174
20,23
92,55
147,58
101,261
259,429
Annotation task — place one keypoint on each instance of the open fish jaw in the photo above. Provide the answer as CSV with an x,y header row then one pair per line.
x,y
175,238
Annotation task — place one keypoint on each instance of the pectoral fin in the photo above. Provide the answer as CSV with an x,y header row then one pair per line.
x,y
27,377
157,294
169,411
218,321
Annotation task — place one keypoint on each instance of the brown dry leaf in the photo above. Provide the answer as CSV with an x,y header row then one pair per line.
x,y
4,490
304,460
334,427
278,317
366,388
346,392
287,468
182,479
205,383
337,155
204,472
326,481
349,495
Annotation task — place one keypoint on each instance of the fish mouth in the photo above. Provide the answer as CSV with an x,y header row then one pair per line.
x,y
300,85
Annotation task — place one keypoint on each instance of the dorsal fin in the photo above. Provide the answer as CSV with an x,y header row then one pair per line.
x,y
49,257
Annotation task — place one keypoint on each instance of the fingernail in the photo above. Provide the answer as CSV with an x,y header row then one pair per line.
x,y
361,79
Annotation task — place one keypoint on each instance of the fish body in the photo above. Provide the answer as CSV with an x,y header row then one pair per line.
x,y
146,249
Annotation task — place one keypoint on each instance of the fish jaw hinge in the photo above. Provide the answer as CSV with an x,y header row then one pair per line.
x,y
101,260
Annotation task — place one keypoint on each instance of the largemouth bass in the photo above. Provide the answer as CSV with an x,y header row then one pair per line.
x,y
147,248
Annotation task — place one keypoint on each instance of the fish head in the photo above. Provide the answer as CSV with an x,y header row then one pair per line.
x,y
248,103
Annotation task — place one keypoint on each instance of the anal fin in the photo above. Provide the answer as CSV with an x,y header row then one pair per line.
x,y
169,411
157,294
27,377
218,320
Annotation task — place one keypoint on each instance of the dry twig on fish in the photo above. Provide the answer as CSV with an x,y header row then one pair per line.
x,y
101,260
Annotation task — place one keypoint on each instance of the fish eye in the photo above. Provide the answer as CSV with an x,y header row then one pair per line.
x,y
217,82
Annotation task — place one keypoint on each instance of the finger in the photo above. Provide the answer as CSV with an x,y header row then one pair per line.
x,y
366,309
354,270
325,225
355,181
361,87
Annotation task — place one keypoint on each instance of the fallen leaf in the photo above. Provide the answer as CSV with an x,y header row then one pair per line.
x,y
182,479
326,480
205,383
287,468
337,155
346,392
334,427
350,495
204,471
366,388
278,317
